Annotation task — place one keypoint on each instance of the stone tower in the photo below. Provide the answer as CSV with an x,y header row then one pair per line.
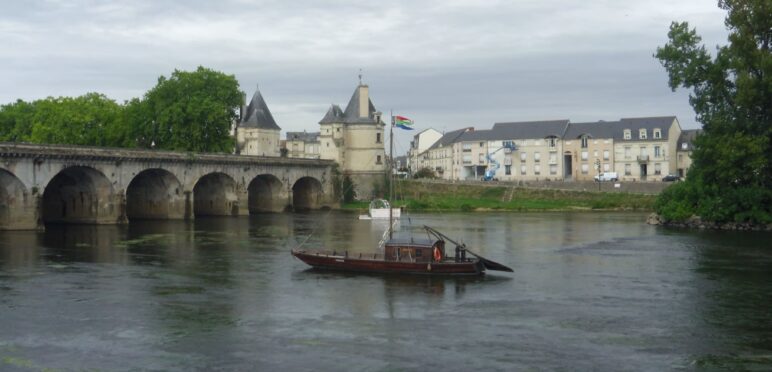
x,y
257,132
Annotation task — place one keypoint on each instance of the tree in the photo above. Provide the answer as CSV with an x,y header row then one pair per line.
x,y
731,93
189,111
85,120
16,121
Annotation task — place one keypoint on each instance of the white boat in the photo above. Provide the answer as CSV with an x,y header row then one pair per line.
x,y
379,209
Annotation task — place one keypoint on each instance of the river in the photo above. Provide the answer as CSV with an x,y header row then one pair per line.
x,y
590,291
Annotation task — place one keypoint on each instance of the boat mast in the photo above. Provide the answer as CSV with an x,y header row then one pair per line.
x,y
391,172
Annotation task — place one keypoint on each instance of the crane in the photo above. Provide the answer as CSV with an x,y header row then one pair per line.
x,y
491,171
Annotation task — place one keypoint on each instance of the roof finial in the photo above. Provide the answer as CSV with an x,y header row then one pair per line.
x,y
257,87
360,76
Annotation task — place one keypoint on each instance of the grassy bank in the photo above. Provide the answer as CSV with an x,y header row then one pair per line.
x,y
418,196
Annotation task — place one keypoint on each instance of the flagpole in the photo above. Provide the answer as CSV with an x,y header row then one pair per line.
x,y
391,173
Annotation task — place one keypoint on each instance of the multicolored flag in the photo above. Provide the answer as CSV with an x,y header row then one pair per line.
x,y
402,122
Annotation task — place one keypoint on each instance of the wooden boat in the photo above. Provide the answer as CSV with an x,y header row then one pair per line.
x,y
406,256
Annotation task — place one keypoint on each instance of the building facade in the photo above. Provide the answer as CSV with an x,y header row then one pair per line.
x,y
304,145
638,149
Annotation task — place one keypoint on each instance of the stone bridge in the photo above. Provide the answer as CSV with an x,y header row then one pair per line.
x,y
45,184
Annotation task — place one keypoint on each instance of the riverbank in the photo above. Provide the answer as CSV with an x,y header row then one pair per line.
x,y
419,196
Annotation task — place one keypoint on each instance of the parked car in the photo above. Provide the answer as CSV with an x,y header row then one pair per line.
x,y
671,178
607,176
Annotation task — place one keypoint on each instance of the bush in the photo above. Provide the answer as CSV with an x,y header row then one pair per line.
x,y
425,173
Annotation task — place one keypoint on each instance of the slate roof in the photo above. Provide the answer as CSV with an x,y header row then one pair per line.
x,y
303,136
450,137
334,115
598,129
636,124
687,136
529,129
351,114
257,114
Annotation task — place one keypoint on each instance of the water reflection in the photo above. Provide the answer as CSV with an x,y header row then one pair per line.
x,y
589,291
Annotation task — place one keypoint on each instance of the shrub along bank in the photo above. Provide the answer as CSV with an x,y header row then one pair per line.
x,y
418,196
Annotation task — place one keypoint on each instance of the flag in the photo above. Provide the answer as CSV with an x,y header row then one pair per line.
x,y
402,122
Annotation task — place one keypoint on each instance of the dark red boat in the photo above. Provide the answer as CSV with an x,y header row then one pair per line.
x,y
406,256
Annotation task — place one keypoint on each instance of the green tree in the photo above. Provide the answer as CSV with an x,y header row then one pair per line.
x,y
731,93
16,121
84,120
189,111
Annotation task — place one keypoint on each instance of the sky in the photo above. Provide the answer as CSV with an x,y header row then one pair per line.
x,y
445,64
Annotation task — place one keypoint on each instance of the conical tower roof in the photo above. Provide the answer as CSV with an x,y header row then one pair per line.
x,y
258,115
333,115
351,115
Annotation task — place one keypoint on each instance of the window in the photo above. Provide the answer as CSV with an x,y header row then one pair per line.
x,y
656,151
508,170
627,134
642,133
627,169
536,156
481,158
553,158
606,167
553,169
684,146
680,158
467,147
584,142
328,144
584,155
378,159
537,169
595,153
643,150
523,157
522,169
585,168
627,152
467,159
337,129
657,133
482,144
657,168
551,141
605,154
377,138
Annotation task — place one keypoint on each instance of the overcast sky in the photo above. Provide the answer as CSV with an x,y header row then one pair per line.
x,y
445,64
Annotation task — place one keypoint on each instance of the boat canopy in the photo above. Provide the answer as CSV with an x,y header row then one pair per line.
x,y
379,204
422,242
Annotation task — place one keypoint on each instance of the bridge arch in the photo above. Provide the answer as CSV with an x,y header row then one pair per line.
x,y
155,194
79,195
215,195
263,193
12,199
306,194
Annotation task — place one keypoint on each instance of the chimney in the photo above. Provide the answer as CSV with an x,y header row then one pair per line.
x,y
364,101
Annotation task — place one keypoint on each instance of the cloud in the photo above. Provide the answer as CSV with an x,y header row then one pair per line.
x,y
447,63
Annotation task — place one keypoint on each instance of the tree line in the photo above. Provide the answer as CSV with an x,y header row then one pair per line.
x,y
188,111
730,179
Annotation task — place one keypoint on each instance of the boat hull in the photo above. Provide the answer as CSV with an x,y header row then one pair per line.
x,y
372,265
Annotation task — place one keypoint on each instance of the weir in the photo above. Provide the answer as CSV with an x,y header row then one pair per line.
x,y
60,184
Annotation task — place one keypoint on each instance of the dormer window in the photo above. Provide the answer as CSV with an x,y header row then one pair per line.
x,y
684,146
657,133
584,141
551,141
627,134
642,133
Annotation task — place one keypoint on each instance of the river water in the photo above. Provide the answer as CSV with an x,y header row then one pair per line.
x,y
590,291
